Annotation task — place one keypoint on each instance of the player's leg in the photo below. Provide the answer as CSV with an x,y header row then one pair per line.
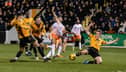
x,y
41,50
53,47
80,48
35,53
64,45
54,44
23,43
34,50
60,46
34,45
98,60
28,51
37,45
78,41
31,47
82,39
50,53
19,53
83,52
94,53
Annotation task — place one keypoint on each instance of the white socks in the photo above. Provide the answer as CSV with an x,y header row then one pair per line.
x,y
80,45
51,51
59,50
16,58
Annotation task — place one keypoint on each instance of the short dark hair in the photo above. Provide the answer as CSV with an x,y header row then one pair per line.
x,y
19,14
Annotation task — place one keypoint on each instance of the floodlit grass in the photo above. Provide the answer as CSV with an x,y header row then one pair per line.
x,y
114,60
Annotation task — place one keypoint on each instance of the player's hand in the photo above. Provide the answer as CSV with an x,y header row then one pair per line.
x,y
117,39
46,46
91,24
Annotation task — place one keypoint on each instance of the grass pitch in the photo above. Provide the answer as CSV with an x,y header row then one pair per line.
x,y
114,60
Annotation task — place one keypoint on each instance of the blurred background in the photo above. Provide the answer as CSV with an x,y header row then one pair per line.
x,y
108,15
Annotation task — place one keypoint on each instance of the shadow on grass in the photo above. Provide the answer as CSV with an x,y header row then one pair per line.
x,y
29,61
53,61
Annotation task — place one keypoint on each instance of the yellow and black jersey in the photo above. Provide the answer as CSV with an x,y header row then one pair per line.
x,y
23,26
28,21
18,23
26,27
96,43
38,29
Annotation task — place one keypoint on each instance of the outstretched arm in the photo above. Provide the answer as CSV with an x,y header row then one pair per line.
x,y
87,28
55,16
13,21
111,42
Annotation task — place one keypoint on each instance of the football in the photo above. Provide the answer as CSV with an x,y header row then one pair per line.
x,y
72,56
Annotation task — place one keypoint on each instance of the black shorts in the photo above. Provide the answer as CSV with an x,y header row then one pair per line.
x,y
39,39
24,41
93,52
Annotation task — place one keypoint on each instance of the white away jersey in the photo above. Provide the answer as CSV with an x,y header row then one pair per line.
x,y
77,28
58,28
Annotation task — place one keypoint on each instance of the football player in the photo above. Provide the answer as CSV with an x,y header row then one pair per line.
x,y
95,45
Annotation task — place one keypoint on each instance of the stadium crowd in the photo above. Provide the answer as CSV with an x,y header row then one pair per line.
x,y
108,15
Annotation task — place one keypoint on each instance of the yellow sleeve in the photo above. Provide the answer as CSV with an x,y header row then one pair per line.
x,y
43,30
91,35
13,22
32,20
103,42
32,25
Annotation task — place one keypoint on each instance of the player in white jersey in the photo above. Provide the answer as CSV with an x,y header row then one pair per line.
x,y
56,35
58,28
77,28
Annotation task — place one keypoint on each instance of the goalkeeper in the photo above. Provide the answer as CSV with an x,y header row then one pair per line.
x,y
95,45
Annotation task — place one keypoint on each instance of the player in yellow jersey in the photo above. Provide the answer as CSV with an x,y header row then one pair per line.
x,y
24,33
95,45
17,22
38,31
28,21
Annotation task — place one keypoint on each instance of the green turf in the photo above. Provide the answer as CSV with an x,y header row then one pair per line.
x,y
114,60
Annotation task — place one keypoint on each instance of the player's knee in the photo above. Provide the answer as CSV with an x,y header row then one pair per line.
x,y
21,49
98,60
84,52
42,45
36,44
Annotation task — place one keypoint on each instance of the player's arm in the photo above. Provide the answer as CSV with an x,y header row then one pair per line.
x,y
12,22
111,42
64,30
51,28
88,28
32,28
55,16
43,32
82,29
